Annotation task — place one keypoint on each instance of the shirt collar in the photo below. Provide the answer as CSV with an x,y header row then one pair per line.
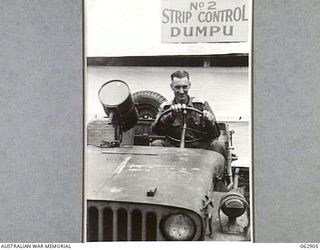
x,y
189,103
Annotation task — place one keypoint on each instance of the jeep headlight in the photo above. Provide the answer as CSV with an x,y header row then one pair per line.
x,y
178,227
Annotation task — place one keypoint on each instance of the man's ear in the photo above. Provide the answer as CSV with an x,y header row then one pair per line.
x,y
189,85
171,85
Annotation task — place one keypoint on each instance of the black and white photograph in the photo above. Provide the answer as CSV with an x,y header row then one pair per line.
x,y
168,117
153,123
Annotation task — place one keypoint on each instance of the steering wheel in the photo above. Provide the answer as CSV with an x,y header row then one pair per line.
x,y
184,112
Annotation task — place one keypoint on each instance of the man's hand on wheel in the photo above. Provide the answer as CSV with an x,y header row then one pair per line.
x,y
178,107
209,116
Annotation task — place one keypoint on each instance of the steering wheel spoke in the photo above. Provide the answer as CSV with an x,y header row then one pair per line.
x,y
188,110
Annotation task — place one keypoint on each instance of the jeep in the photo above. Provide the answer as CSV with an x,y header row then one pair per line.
x,y
136,192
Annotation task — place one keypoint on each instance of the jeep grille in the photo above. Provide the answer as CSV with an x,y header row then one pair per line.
x,y
120,221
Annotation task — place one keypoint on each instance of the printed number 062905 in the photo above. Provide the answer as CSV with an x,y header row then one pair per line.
x,y
309,246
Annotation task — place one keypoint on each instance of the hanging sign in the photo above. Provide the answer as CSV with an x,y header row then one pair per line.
x,y
204,21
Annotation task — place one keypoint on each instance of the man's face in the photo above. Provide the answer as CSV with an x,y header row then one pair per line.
x,y
180,87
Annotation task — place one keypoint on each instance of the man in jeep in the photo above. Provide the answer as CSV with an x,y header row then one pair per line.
x,y
201,131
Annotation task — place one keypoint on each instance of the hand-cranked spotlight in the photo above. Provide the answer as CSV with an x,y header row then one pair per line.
x,y
117,102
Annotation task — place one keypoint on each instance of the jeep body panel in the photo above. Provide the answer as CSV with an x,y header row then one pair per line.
x,y
154,175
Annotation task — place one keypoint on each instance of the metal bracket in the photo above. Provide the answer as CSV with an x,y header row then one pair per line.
x,y
204,209
151,192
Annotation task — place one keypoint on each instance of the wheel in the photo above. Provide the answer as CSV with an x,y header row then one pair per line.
x,y
182,140
147,103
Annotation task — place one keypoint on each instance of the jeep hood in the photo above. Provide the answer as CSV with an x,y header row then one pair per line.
x,y
176,177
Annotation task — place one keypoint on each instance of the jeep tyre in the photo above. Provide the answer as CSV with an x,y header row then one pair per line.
x,y
147,103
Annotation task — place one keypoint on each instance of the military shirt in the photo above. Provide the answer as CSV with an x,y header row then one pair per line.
x,y
197,127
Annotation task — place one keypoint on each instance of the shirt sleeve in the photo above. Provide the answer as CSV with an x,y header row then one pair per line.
x,y
212,127
161,126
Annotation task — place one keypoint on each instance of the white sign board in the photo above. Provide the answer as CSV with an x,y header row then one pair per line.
x,y
192,21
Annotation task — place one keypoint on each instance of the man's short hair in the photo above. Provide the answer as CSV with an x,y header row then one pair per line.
x,y
180,74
